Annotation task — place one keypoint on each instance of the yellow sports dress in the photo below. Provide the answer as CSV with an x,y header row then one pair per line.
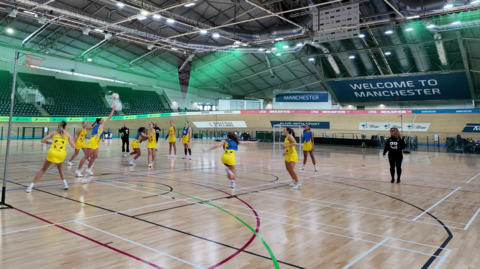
x,y
136,142
185,135
228,156
80,142
171,134
57,152
291,155
307,141
94,141
152,142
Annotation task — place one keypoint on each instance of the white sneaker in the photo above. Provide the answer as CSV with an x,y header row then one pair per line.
x,y
150,165
174,156
65,185
302,168
77,172
88,171
190,157
316,169
126,157
30,187
184,157
132,163
296,187
69,163
293,183
86,161
168,156
233,185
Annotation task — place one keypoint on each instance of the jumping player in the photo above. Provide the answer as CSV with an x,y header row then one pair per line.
x,y
291,157
230,146
80,134
136,144
172,140
395,145
93,144
56,154
308,147
186,135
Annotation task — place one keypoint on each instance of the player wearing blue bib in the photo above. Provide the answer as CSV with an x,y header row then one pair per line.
x,y
141,136
308,140
230,146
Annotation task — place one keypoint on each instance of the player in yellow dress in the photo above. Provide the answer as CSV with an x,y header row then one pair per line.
x,y
80,135
308,147
172,140
93,144
186,135
151,145
56,154
291,157
141,136
230,146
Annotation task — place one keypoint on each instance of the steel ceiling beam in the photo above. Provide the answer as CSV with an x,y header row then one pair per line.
x,y
37,32
465,63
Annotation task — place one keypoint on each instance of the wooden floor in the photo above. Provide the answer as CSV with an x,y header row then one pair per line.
x,y
183,214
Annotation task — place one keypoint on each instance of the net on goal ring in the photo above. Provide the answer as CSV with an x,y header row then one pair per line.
x,y
33,61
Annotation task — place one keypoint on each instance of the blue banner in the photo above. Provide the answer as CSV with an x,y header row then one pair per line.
x,y
471,128
311,124
411,88
302,97
446,111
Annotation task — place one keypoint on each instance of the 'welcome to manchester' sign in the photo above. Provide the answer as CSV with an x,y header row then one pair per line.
x,y
412,88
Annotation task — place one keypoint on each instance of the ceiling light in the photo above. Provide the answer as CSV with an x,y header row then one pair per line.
x,y
86,30
29,12
388,53
120,4
89,59
144,12
311,59
150,46
10,30
261,49
189,5
108,36
430,26
216,35
278,54
313,42
235,46
273,49
13,13
351,57
475,2
299,44
448,6
285,47
156,16
268,51
245,44
203,32
98,30
170,20
361,35
278,39
388,32
175,49
42,20
409,29
141,18
413,17
456,22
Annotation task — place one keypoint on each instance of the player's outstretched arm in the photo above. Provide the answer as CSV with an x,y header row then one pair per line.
x,y
216,146
248,142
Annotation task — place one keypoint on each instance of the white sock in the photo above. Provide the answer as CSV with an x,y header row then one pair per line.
x,y
233,181
32,184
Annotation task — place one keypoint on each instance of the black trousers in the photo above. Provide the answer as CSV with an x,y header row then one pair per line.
x,y
125,141
156,137
395,162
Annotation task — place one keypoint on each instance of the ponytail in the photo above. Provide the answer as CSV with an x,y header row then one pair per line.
x,y
290,131
97,121
61,127
233,136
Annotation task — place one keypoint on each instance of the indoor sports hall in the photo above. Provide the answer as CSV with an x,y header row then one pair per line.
x,y
240,134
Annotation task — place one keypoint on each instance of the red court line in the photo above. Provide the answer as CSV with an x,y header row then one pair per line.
x,y
91,239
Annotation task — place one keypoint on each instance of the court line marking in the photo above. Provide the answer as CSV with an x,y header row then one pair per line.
x,y
345,209
138,244
365,254
436,204
92,240
473,178
444,257
471,220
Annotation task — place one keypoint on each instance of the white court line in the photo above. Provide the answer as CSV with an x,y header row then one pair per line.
x,y
138,244
365,254
444,257
471,220
436,204
473,178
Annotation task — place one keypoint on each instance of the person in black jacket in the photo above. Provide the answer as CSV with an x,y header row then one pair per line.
x,y
125,132
395,145
157,131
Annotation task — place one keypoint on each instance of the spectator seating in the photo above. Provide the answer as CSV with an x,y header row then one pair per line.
x,y
137,102
19,109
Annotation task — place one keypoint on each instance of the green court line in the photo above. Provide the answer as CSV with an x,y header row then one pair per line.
x,y
275,263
